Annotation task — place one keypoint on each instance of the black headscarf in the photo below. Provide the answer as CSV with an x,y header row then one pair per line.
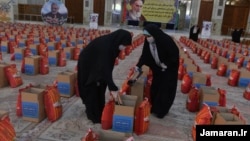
x,y
96,61
168,51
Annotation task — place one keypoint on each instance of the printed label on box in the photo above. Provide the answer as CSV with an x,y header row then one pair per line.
x,y
68,55
4,48
34,51
52,61
18,56
63,88
30,109
29,69
21,44
243,82
50,48
122,124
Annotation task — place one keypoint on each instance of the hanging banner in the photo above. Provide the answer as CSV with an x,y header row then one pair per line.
x,y
93,24
5,10
206,29
54,12
163,11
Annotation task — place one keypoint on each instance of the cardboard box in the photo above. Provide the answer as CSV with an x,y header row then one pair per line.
x,y
66,83
230,66
109,135
69,52
32,65
209,96
3,113
51,46
63,43
199,79
53,57
244,78
34,49
40,86
227,119
3,81
4,46
138,89
123,118
21,42
19,53
222,60
33,104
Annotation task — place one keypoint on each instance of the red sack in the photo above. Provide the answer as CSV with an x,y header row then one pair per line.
x,y
52,102
222,70
44,65
122,55
147,88
233,77
186,83
90,136
76,54
192,103
7,131
181,71
240,61
214,62
222,99
246,93
13,76
125,89
248,65
42,49
107,114
62,58
142,114
208,81
207,57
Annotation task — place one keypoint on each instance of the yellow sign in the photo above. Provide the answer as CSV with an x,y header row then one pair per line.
x,y
159,10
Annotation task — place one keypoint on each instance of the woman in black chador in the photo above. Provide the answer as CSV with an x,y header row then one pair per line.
x,y
161,54
194,33
236,34
95,67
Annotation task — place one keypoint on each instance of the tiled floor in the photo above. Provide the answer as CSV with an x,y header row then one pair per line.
x,y
73,125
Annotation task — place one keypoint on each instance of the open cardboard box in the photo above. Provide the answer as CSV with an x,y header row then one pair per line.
x,y
227,119
33,104
123,118
199,79
209,95
109,135
65,83
3,114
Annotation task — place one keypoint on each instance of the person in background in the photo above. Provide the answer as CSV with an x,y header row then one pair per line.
x,y
194,33
95,66
135,13
236,35
161,54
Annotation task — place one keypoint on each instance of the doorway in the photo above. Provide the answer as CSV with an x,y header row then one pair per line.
x,y
206,10
75,10
99,7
